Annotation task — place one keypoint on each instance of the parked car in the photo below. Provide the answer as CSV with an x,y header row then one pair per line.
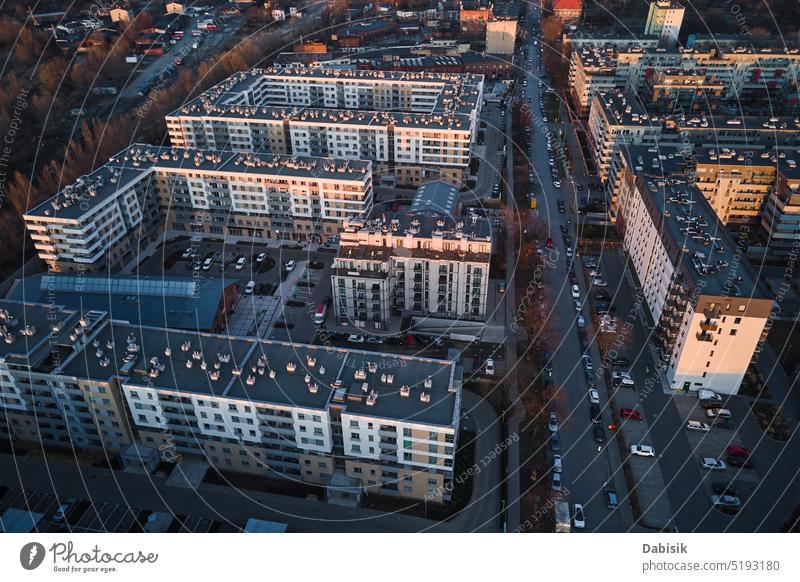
x,y
289,266
354,338
240,263
261,257
552,422
249,288
740,461
587,362
578,519
208,263
594,396
620,361
576,292
599,434
708,395
631,414
489,367
611,498
712,464
728,502
718,413
643,451
557,463
723,488
706,404
555,442
697,426
556,480
578,306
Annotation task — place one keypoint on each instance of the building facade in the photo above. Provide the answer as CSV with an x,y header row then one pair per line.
x,y
664,19
102,219
413,127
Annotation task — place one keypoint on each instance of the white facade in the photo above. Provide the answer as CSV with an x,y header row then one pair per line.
x,y
664,19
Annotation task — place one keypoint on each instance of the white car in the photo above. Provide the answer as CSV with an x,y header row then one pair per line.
x,y
643,451
557,184
249,288
587,362
713,464
556,463
354,338
489,367
708,395
594,396
578,306
578,519
698,426
569,253
240,263
289,265
207,264
725,501
261,258
576,292
552,422
581,321
188,253
598,283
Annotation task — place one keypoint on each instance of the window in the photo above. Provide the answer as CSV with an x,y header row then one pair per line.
x,y
737,320
733,332
356,448
406,432
354,423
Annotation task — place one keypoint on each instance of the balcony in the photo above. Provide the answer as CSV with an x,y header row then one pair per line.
x,y
708,325
711,313
703,336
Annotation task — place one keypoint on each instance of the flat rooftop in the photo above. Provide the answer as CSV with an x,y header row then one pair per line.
x,y
458,97
27,329
271,372
622,109
138,161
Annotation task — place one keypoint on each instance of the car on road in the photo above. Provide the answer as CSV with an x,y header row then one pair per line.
x,y
631,414
261,257
354,338
489,367
373,339
619,361
726,502
552,422
578,519
549,243
643,451
723,488
208,263
599,434
598,282
568,252
712,464
594,396
581,321
738,450
289,266
576,292
578,306
708,395
187,253
718,413
555,442
697,426
556,184
240,263
249,288
587,362
556,479
557,463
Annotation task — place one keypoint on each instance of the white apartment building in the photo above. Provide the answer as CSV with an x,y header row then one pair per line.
x,y
422,262
101,219
664,19
734,73
711,312
414,127
618,121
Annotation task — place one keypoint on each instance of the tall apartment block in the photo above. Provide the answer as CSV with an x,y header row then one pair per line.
x,y
617,121
712,314
426,261
682,76
388,424
414,127
101,219
664,19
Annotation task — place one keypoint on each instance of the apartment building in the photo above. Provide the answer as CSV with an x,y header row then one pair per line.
x,y
40,405
567,9
664,19
413,126
712,315
427,261
101,220
730,75
780,220
618,121
718,131
260,407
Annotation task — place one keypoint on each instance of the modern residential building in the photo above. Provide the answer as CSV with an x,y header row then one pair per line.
x,y
780,220
732,75
617,121
664,19
427,261
719,131
711,312
414,127
41,405
387,423
103,218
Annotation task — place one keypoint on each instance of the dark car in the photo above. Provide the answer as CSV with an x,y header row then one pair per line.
x,y
706,404
596,413
601,295
555,442
394,341
620,361
599,434
723,488
738,450
611,498
740,461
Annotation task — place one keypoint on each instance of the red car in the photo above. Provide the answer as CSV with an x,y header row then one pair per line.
x,y
631,414
549,243
738,451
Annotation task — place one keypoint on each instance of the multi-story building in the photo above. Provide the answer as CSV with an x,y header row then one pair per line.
x,y
501,34
473,17
100,220
716,131
617,121
40,403
427,261
664,19
735,74
780,219
241,404
683,90
414,127
567,9
711,312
